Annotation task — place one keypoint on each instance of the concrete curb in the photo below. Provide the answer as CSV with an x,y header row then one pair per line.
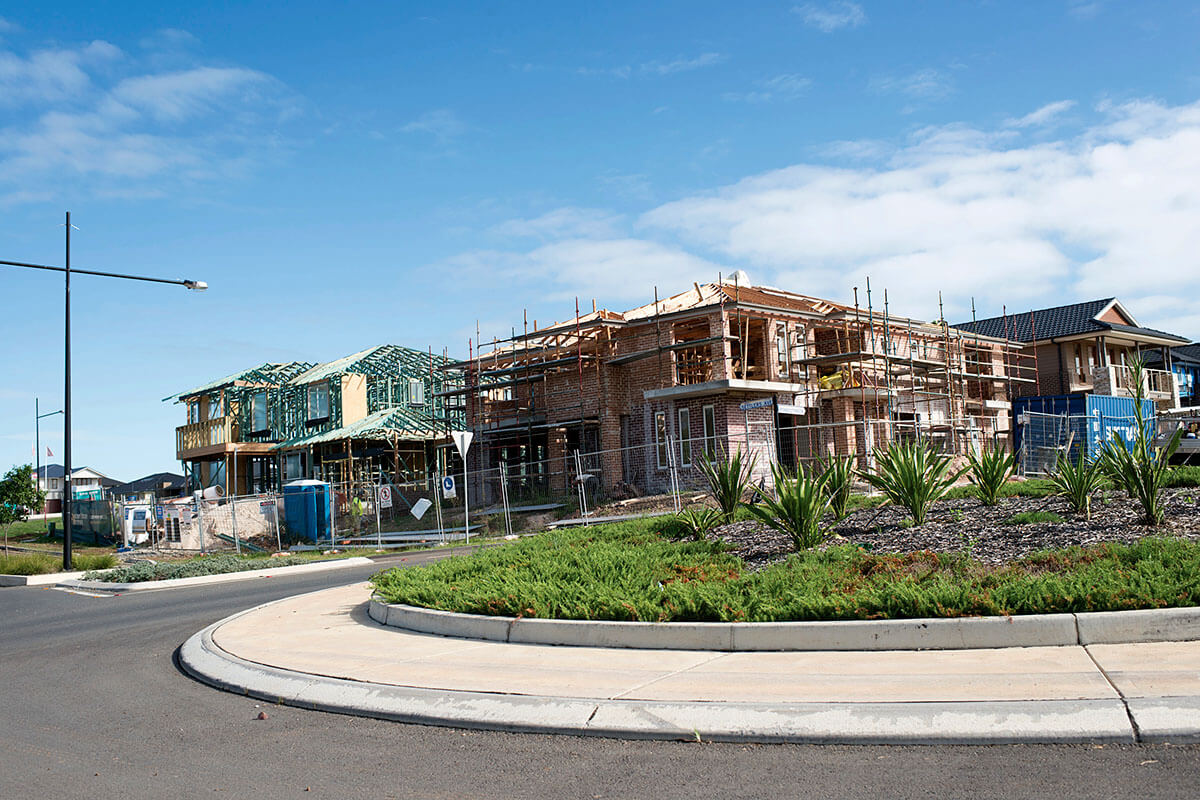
x,y
201,580
37,580
1037,630
815,723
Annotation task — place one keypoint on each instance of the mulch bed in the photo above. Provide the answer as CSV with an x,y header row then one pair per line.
x,y
956,525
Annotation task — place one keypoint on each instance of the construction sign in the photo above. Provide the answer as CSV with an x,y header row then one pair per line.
x,y
385,497
448,489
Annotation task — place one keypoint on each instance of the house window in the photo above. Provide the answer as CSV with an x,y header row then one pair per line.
x,y
258,412
54,483
318,401
709,414
660,437
293,467
216,408
685,437
193,411
416,392
781,350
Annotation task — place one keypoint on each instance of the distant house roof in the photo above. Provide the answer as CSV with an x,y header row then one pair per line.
x,y
56,471
272,374
1067,320
159,481
1188,353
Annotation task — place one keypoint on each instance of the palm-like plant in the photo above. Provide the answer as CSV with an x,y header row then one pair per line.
x,y
728,480
913,475
1140,467
838,475
801,502
1077,480
699,521
989,471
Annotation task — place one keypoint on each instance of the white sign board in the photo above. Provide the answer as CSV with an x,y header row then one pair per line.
x,y
420,507
448,490
462,440
385,497
751,404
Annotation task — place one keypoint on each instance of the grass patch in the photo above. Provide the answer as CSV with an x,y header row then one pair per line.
x,y
1181,477
32,527
628,571
1034,487
44,564
1033,518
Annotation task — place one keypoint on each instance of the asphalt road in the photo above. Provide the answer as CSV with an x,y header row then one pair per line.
x,y
92,705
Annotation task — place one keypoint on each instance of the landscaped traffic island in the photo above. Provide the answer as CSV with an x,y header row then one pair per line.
x,y
637,571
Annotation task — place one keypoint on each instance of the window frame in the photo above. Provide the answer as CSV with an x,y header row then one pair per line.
x,y
708,417
416,392
660,438
683,421
316,389
257,400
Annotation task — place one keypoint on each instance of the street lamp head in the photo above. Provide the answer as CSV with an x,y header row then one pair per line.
x,y
196,286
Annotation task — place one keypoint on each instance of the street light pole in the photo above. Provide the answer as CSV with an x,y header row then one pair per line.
x,y
198,286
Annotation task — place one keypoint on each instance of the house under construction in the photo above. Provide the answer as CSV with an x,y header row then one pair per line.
x,y
722,367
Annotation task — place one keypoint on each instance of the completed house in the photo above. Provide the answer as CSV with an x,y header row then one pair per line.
x,y
86,483
1185,363
1086,348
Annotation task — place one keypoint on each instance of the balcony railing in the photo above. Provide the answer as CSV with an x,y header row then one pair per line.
x,y
197,435
1157,384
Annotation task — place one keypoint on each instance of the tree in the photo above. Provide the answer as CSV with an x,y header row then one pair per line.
x,y
18,495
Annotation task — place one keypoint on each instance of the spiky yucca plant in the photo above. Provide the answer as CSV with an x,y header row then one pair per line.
x,y
838,475
728,480
1140,467
1077,480
913,475
699,521
989,471
800,503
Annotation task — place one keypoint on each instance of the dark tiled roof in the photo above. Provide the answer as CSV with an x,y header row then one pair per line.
x,y
1051,323
1046,323
1188,352
151,483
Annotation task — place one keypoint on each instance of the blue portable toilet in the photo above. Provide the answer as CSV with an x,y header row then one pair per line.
x,y
306,509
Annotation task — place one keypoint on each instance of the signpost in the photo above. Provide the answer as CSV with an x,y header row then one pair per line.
x,y
385,497
462,441
746,408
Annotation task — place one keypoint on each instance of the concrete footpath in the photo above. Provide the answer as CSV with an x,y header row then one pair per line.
x,y
323,651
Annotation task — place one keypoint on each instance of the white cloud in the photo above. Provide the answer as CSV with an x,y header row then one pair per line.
x,y
923,84
98,122
787,86
682,64
830,17
443,124
562,222
1042,115
976,213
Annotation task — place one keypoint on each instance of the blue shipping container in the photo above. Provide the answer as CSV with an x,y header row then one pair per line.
x,y
1088,420
306,509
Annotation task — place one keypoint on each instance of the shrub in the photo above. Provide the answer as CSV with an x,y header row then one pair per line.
x,y
728,480
1077,481
913,475
101,561
28,564
1140,468
203,565
837,473
802,502
989,471
699,521
1033,518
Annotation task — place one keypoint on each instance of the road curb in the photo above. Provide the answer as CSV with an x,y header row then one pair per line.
x,y
37,580
1035,630
202,580
1101,720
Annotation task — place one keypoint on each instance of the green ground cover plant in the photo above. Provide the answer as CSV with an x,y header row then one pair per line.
x,y
1182,477
1033,518
1033,487
627,571
202,565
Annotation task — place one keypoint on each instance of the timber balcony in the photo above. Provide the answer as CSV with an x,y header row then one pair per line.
x,y
205,438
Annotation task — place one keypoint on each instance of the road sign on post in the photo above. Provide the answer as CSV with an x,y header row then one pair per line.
x,y
385,497
462,440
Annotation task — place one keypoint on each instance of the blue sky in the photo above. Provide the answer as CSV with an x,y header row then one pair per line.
x,y
345,176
